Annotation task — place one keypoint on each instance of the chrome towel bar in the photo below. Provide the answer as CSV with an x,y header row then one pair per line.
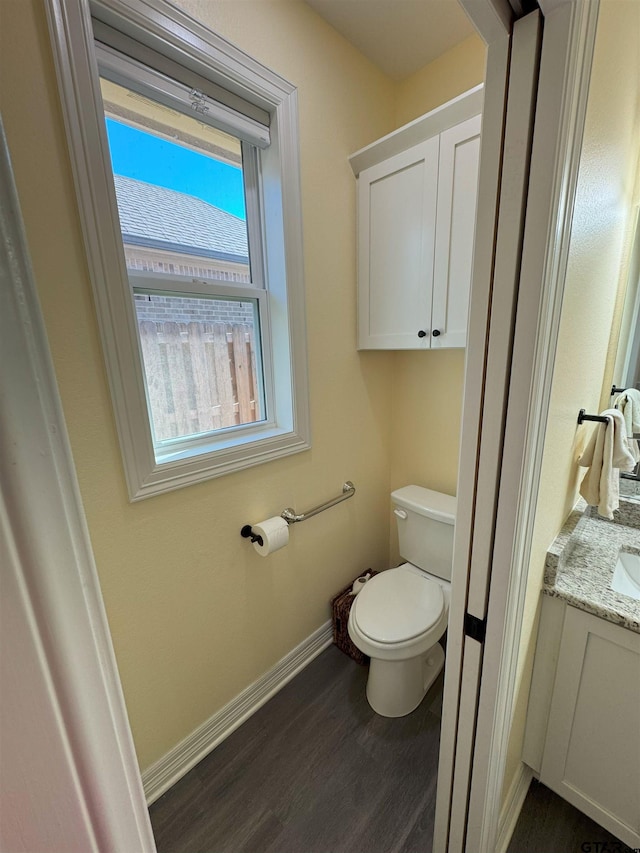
x,y
291,516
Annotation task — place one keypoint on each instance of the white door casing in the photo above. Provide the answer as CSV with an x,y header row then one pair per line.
x,y
70,777
567,50
506,483
488,189
471,576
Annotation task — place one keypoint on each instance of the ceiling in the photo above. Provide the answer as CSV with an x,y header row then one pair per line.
x,y
399,36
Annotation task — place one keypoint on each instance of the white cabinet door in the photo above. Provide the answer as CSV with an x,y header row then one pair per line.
x,y
396,234
455,230
592,749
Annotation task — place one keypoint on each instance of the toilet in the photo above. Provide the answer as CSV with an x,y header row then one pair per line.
x,y
400,614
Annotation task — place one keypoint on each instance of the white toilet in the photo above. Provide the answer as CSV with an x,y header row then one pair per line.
x,y
400,614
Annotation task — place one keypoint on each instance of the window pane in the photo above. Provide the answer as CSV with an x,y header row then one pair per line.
x,y
180,190
202,363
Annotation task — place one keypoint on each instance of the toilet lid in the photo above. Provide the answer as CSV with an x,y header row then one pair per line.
x,y
398,605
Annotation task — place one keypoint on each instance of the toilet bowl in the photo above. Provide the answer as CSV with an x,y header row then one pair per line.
x,y
397,620
400,614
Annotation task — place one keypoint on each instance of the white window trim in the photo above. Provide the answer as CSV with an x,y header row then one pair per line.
x,y
177,35
121,69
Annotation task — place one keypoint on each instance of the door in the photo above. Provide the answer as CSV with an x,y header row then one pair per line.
x,y
536,77
593,723
396,233
491,330
456,220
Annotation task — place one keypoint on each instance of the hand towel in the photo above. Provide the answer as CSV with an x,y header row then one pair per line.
x,y
606,454
628,402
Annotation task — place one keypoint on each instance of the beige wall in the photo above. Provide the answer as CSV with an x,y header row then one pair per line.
x,y
427,386
426,412
599,252
195,615
459,69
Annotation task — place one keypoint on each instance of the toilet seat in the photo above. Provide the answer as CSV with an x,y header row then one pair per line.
x,y
398,606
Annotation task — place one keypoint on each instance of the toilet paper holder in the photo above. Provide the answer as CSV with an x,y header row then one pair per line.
x,y
292,517
247,533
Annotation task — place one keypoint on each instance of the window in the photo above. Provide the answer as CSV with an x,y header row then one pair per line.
x,y
187,195
185,157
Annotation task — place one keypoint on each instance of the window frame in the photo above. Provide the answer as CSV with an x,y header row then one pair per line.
x,y
182,447
167,30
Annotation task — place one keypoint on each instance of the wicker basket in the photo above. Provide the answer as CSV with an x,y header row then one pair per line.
x,y
341,605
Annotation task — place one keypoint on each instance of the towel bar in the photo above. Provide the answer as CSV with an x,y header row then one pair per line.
x,y
583,416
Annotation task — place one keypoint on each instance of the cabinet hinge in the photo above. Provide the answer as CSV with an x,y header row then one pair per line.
x,y
474,627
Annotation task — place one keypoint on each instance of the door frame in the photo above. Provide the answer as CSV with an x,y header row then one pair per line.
x,y
470,787
58,637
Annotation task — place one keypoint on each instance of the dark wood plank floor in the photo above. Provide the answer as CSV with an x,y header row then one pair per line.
x,y
313,771
549,824
316,771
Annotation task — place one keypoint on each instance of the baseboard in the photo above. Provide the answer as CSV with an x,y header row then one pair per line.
x,y
165,772
512,806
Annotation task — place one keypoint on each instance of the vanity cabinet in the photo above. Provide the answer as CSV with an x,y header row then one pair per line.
x,y
589,731
416,224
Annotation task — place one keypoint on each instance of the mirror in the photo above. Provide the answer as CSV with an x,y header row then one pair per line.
x,y
627,366
626,373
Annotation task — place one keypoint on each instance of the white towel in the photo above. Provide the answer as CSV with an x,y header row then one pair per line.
x,y
628,402
606,454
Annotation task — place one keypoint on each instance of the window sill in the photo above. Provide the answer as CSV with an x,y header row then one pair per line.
x,y
193,466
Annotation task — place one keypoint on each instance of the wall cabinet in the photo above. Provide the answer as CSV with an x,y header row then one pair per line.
x,y
590,745
416,224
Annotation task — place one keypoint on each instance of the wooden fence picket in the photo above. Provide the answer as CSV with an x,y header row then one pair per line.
x,y
200,376
156,385
178,381
223,375
204,385
241,369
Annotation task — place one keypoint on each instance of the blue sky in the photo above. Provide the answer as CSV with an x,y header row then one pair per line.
x,y
140,155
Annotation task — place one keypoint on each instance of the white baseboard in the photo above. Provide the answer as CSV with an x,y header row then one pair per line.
x,y
512,806
165,772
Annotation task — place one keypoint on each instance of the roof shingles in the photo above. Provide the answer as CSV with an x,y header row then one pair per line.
x,y
160,215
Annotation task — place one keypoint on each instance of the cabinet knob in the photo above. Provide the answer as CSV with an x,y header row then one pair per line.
x,y
422,333
436,333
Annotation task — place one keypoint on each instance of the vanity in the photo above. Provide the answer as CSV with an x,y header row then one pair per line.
x,y
583,721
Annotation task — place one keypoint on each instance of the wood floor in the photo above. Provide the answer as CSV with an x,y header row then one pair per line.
x,y
313,771
549,824
316,771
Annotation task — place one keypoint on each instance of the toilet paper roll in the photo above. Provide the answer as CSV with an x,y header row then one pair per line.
x,y
358,584
275,535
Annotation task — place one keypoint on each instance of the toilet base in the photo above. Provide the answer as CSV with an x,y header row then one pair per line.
x,y
396,687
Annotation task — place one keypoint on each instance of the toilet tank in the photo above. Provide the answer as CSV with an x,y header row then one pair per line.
x,y
425,522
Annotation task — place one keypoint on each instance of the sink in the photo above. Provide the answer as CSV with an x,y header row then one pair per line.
x,y
626,575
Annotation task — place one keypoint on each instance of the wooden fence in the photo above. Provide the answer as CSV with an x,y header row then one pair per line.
x,y
200,376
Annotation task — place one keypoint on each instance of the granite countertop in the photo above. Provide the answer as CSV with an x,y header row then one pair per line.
x,y
580,562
